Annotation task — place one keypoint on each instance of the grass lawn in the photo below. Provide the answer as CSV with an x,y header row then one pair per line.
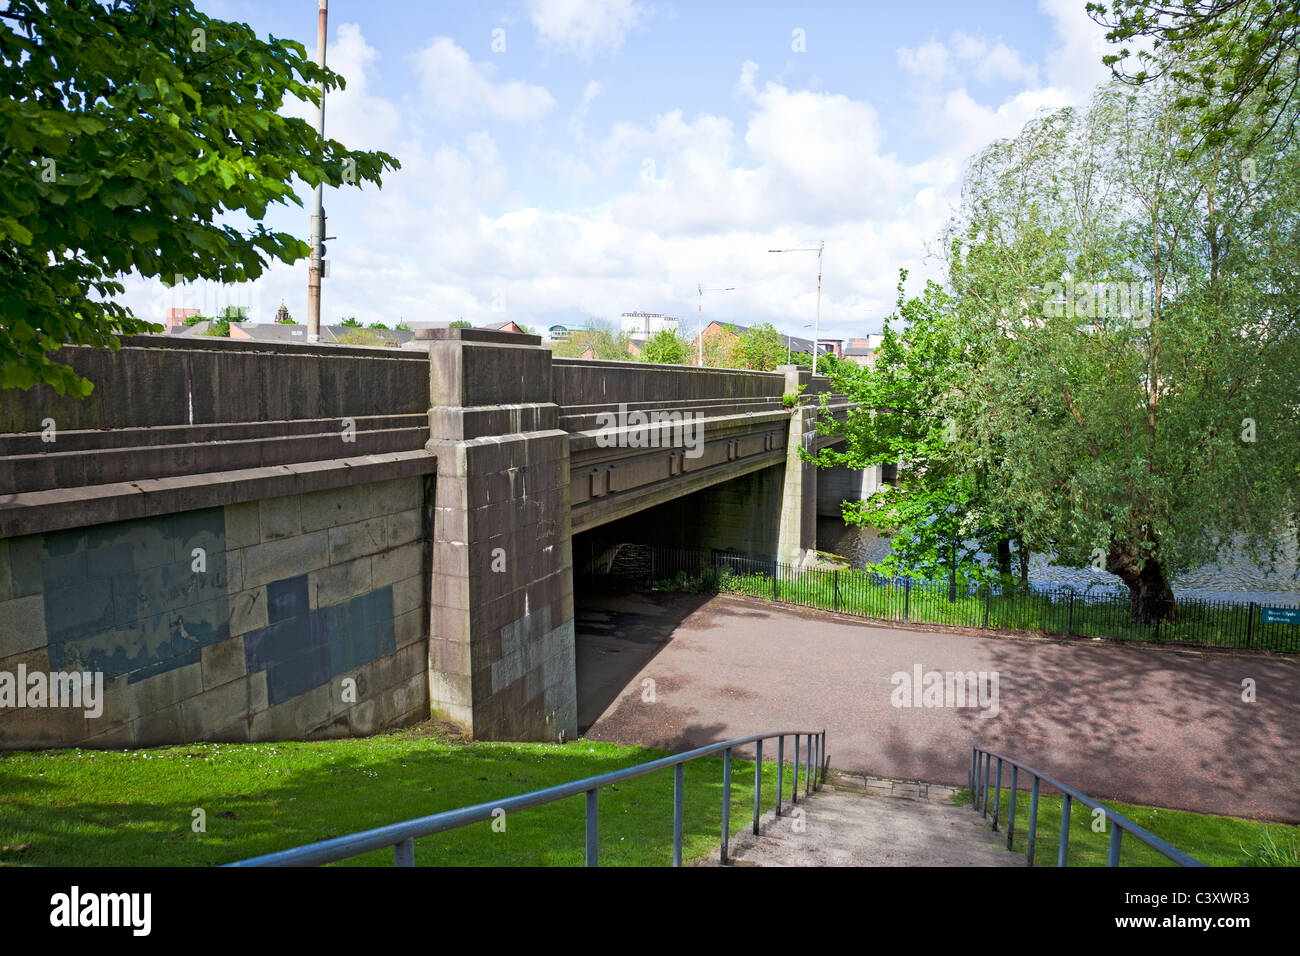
x,y
1215,841
1217,624
135,808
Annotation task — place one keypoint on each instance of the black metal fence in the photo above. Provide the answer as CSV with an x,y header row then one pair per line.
x,y
1061,611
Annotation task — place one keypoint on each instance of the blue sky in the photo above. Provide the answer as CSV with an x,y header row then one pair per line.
x,y
615,153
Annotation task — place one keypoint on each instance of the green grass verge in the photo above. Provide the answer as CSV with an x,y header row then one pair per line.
x,y
135,808
1215,841
857,592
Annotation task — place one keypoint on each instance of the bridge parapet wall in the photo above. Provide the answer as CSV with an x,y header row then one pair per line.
x,y
240,420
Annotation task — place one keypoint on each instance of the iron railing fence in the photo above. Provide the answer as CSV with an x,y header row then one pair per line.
x,y
1058,611
401,836
981,761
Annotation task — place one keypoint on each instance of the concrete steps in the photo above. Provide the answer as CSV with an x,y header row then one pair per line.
x,y
857,821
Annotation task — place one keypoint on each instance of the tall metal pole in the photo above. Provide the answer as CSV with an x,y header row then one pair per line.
x,y
314,266
699,324
817,329
699,319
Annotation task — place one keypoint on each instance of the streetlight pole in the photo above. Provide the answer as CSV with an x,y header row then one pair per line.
x,y
314,265
699,316
818,246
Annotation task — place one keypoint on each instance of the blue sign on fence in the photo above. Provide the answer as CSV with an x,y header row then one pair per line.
x,y
1279,615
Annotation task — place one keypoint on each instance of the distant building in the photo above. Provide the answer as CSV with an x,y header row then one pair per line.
x,y
832,347
643,325
504,327
561,333
177,317
862,351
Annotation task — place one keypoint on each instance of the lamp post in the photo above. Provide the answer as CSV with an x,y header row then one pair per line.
x,y
315,266
699,316
817,246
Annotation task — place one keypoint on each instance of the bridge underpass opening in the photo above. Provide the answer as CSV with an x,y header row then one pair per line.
x,y
619,629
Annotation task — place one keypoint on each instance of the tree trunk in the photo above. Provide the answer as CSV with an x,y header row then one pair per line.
x,y
1151,598
1004,558
1024,565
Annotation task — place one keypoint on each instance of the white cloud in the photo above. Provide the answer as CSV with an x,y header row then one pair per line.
x,y
586,27
935,63
354,115
459,86
812,158
929,61
1074,62
994,61
578,118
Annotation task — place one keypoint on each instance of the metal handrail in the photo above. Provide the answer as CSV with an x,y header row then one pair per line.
x,y
402,836
982,759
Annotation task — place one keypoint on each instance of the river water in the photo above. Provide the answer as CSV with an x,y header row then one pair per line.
x,y
1233,578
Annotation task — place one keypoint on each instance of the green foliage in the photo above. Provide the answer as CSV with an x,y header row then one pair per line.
x,y
128,131
350,322
377,325
719,351
461,324
939,513
401,327
793,399
1236,62
196,319
369,336
761,348
1275,846
1116,430
608,344
664,348
219,327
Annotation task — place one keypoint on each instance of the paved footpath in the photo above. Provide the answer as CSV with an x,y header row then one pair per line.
x,y
1159,726
846,827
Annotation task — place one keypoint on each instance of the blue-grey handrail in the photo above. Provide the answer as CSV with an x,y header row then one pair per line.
x,y
982,759
402,836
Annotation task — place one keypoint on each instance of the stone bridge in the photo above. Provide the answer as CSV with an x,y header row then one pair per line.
x,y
252,541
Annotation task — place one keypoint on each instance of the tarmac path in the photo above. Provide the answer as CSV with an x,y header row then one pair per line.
x,y
1160,726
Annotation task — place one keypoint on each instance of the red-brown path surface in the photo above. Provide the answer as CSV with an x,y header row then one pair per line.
x,y
1150,725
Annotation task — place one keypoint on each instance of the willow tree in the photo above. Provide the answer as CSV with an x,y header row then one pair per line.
x,y
1237,62
129,131
1130,306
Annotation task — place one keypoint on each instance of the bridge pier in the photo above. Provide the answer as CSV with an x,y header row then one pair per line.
x,y
501,654
798,522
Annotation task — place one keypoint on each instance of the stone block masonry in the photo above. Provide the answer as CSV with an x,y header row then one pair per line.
x,y
502,650
295,617
243,539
